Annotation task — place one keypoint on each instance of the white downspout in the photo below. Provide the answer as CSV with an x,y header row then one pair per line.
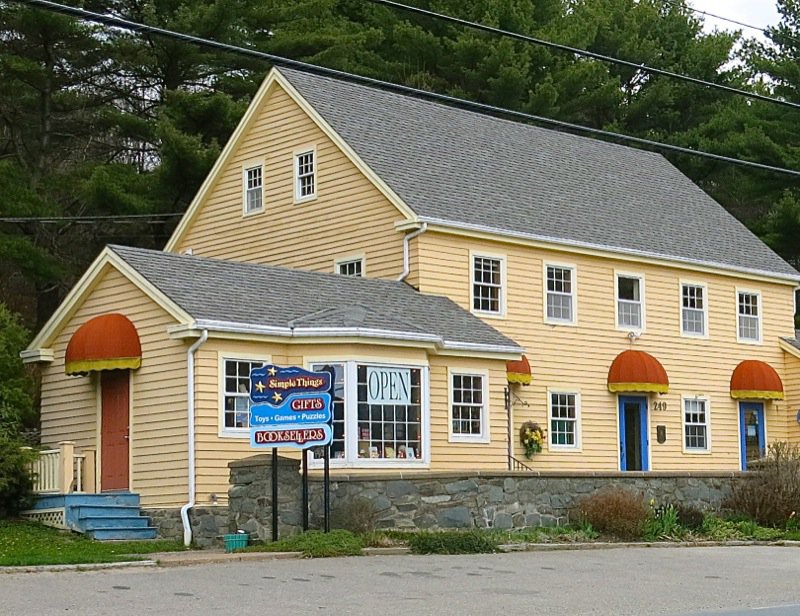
x,y
406,258
187,527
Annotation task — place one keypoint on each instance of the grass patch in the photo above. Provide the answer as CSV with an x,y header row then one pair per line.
x,y
454,542
314,544
24,543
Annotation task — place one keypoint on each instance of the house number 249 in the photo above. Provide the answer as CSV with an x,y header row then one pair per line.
x,y
659,406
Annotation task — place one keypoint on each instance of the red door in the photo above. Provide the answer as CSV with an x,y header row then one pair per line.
x,y
114,386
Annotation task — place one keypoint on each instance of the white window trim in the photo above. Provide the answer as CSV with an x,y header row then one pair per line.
x,y
484,436
693,450
574,294
351,427
349,259
760,316
642,301
500,314
693,283
296,190
254,164
578,446
223,432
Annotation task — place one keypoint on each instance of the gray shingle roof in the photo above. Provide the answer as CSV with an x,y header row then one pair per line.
x,y
795,342
269,296
465,168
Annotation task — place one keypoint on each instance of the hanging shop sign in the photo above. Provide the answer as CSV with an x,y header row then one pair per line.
x,y
290,407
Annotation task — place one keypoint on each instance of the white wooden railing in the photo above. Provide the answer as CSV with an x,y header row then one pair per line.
x,y
63,470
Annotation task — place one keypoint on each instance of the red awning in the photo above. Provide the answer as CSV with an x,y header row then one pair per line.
x,y
107,342
637,371
756,380
519,371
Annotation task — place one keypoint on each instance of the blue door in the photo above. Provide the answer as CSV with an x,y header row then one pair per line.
x,y
751,432
633,439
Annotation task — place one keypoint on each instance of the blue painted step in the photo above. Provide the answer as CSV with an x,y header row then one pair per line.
x,y
122,534
91,523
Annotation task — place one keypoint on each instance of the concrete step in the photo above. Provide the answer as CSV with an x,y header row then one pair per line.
x,y
122,534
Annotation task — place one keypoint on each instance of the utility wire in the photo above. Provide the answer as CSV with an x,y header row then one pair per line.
x,y
138,27
583,52
764,31
132,218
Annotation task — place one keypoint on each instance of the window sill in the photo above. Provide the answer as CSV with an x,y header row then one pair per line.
x,y
243,433
488,314
473,439
697,452
556,322
298,200
246,214
751,342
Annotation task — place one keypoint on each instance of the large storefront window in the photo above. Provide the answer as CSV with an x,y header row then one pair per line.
x,y
378,413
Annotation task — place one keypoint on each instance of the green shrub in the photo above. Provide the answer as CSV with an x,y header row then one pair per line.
x,y
453,542
769,494
16,482
614,511
357,516
662,523
315,544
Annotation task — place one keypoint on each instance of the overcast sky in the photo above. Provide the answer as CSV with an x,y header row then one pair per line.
x,y
761,13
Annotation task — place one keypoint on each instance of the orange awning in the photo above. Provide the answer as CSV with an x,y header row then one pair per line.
x,y
519,371
756,380
107,342
637,371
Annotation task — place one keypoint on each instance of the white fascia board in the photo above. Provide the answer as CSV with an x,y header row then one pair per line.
x,y
483,348
32,356
613,250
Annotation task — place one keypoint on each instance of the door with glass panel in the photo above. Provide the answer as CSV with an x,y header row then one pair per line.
x,y
751,432
633,440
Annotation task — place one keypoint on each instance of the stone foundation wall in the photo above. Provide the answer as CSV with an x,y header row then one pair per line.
x,y
441,500
208,524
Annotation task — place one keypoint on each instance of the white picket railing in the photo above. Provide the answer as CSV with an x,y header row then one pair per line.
x,y
63,470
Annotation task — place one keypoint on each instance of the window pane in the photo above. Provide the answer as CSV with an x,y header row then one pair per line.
x,y
467,404
695,424
236,397
337,411
563,419
628,288
390,431
486,277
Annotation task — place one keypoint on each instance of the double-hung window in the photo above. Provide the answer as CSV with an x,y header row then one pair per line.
x,y
694,309
695,424
253,189
748,316
564,409
305,176
236,393
630,303
378,414
560,294
487,284
468,407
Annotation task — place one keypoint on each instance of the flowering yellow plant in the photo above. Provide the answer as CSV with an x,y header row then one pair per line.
x,y
532,438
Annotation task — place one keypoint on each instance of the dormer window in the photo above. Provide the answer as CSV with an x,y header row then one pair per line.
x,y
305,176
253,189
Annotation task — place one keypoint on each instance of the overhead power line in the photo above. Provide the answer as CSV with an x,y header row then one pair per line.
x,y
584,53
119,218
142,28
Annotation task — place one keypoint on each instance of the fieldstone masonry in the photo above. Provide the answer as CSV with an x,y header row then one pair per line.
x,y
208,524
445,500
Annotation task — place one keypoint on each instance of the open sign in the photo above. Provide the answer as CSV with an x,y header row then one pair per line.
x,y
388,385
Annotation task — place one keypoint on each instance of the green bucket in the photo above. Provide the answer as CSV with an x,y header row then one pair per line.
x,y
236,541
